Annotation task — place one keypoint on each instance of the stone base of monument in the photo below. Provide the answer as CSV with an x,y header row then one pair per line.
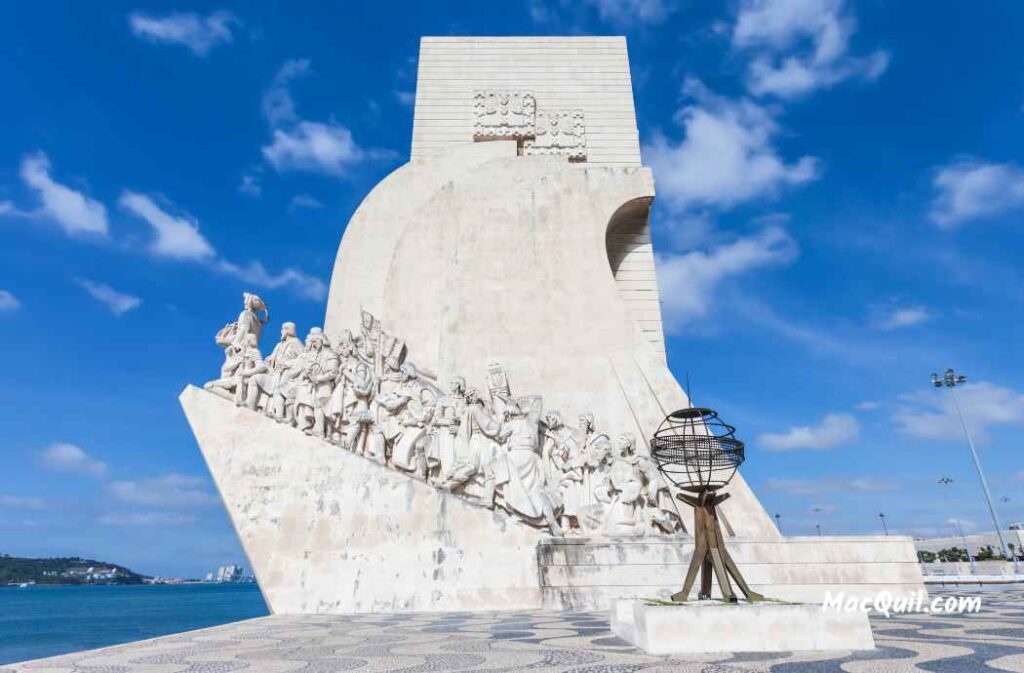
x,y
701,627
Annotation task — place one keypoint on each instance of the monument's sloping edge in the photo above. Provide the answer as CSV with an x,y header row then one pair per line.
x,y
327,531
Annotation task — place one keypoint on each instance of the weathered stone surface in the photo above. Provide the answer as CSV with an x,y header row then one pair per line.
x,y
694,628
329,531
593,574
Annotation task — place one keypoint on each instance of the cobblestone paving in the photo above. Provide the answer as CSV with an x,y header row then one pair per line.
x,y
992,640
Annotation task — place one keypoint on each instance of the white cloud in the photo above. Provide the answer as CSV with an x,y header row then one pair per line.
x,y
726,156
176,237
619,13
834,429
278,104
147,519
798,46
8,302
867,405
169,490
831,485
199,33
891,317
687,281
968,190
75,212
314,147
305,201
118,303
299,144
254,272
931,414
64,457
250,184
21,502
630,12
405,97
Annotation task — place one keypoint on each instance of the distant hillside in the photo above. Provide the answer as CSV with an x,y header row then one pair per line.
x,y
71,570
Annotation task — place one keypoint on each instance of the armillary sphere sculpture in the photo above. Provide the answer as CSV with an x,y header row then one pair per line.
x,y
699,453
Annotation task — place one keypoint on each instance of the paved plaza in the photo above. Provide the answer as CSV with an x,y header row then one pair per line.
x,y
992,640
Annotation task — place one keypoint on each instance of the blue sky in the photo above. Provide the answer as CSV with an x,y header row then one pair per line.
x,y
840,192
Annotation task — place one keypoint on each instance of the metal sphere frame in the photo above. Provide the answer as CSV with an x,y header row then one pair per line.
x,y
699,453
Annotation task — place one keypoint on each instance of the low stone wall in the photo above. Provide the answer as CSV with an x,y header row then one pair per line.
x,y
591,574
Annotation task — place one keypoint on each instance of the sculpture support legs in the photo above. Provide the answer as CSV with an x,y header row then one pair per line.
x,y
710,555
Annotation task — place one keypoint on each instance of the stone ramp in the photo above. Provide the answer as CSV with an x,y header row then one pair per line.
x,y
537,641
329,531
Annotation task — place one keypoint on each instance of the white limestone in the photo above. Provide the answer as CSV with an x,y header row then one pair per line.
x,y
327,531
480,251
712,627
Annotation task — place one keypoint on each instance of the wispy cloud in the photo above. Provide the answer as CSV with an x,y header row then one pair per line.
x,y
176,237
116,302
890,317
254,272
298,144
834,430
315,147
304,201
798,46
726,156
251,184
8,302
688,281
968,189
64,457
75,212
21,502
278,104
407,98
168,490
831,485
931,414
617,13
200,34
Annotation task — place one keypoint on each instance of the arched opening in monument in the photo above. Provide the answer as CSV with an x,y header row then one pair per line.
x,y
631,259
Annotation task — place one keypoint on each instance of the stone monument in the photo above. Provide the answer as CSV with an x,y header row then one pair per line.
x,y
468,428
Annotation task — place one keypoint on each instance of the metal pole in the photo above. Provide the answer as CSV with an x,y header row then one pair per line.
x,y
984,483
777,524
967,547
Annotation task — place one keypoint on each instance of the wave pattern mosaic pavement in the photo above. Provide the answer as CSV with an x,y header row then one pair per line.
x,y
578,642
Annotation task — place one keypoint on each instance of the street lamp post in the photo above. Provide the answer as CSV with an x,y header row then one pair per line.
x,y
951,380
881,515
946,481
777,524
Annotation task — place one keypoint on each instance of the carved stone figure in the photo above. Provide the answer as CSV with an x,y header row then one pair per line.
x,y
235,373
496,451
317,367
520,476
623,492
564,473
360,419
265,380
447,419
477,446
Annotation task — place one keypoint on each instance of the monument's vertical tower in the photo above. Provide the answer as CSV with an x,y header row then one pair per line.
x,y
518,234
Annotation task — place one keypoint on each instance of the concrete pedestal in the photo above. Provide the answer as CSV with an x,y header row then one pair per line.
x,y
710,626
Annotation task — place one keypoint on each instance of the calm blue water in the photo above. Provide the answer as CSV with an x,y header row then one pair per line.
x,y
45,621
